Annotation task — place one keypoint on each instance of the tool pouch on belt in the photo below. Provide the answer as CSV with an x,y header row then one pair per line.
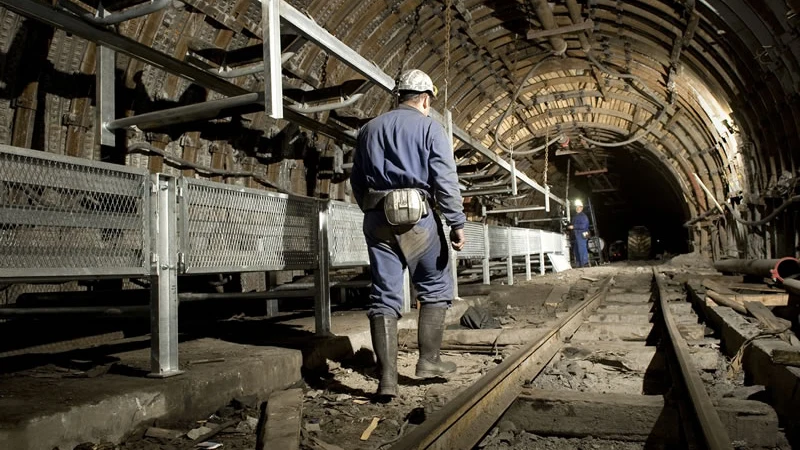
x,y
404,206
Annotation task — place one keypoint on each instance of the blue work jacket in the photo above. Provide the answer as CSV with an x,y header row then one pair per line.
x,y
403,148
580,223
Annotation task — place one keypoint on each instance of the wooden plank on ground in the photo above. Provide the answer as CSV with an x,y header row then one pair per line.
x,y
284,415
772,323
786,357
755,287
764,299
727,300
718,287
632,417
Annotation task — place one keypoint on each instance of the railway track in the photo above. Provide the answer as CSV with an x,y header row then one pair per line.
x,y
649,329
620,363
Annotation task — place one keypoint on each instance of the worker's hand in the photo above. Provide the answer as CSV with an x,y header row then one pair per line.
x,y
457,239
569,227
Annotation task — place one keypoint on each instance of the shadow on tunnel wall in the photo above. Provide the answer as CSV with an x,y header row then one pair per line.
x,y
27,76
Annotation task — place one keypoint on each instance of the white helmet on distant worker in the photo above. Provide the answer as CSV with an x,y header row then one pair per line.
x,y
417,81
578,204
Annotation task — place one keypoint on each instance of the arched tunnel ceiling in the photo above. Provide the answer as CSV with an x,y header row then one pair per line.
x,y
706,87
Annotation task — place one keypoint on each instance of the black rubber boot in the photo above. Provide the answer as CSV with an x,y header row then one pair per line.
x,y
384,343
431,329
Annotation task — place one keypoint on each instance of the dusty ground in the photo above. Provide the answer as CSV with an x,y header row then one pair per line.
x,y
337,406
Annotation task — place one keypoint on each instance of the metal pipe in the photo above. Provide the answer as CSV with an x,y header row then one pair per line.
x,y
476,192
327,106
97,310
247,70
183,114
545,15
776,269
792,285
119,16
52,300
515,209
549,219
261,295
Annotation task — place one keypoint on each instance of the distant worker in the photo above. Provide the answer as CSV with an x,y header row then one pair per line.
x,y
580,230
402,166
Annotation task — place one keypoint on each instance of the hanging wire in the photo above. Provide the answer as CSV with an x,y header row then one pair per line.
x,y
546,156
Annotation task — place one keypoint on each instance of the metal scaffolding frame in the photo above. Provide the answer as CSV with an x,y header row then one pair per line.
x,y
110,41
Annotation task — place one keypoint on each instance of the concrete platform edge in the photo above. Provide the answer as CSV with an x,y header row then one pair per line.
x,y
200,391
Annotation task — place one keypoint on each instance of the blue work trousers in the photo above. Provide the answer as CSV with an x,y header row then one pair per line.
x,y
581,251
422,248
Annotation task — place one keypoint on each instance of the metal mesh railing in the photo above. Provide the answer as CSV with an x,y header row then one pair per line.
x,y
234,229
346,243
519,241
498,242
474,248
535,241
552,242
67,217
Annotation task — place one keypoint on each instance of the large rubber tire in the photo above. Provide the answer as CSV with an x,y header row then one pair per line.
x,y
638,244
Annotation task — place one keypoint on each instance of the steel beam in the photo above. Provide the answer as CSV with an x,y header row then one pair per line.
x,y
549,219
104,90
273,84
325,40
464,137
331,44
515,209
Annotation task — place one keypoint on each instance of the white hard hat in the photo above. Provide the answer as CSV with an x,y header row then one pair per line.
x,y
578,203
416,80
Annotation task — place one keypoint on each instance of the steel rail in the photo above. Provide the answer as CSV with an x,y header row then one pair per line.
x,y
466,419
714,432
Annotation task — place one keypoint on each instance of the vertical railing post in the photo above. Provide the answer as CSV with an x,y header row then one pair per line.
x,y
105,101
322,297
486,254
164,277
510,261
272,304
271,29
407,290
527,254
453,269
541,252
